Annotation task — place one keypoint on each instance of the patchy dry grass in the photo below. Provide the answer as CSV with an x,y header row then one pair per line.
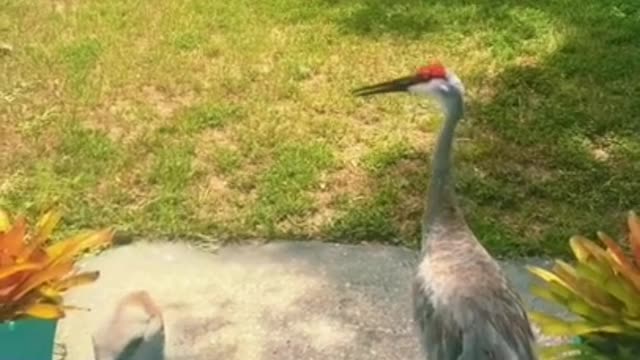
x,y
234,119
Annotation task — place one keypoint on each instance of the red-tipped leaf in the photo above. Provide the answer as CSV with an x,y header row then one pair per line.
x,y
634,235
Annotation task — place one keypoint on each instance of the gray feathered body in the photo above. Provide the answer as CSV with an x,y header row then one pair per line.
x,y
464,306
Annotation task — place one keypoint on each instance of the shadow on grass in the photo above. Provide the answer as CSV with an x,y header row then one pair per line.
x,y
555,148
392,210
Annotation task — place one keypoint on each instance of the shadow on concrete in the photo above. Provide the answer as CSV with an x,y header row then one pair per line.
x,y
358,308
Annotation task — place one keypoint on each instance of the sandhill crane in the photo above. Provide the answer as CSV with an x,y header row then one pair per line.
x,y
464,305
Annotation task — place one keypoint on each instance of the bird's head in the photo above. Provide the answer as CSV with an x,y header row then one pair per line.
x,y
432,80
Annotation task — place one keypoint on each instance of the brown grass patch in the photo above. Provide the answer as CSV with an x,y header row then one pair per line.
x,y
119,117
211,139
12,145
165,104
215,200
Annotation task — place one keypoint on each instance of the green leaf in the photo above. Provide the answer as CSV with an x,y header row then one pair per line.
x,y
546,275
557,352
555,326
5,223
580,307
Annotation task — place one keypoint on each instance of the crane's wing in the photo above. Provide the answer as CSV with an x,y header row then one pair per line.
x,y
499,329
481,329
439,338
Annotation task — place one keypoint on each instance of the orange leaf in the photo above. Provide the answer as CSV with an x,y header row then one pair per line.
x,y
5,290
77,280
41,277
615,251
11,282
72,247
39,256
13,269
623,267
12,241
44,311
634,235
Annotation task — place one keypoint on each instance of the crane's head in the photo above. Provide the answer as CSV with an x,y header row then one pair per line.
x,y
433,80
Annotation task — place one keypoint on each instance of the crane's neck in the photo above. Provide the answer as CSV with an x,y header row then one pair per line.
x,y
441,207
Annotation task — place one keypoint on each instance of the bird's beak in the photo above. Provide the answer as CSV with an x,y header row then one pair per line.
x,y
397,85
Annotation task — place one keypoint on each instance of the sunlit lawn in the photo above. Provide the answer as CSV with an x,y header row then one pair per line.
x,y
234,120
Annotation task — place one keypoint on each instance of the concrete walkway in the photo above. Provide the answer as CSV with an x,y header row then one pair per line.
x,y
284,301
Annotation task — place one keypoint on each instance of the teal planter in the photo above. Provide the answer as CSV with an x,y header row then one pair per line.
x,y
27,339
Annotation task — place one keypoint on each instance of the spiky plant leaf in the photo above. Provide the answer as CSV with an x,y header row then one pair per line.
x,y
614,250
546,275
33,278
561,291
44,228
5,223
77,280
591,288
634,323
555,326
44,311
565,271
626,294
52,295
588,311
583,248
634,235
620,263
603,289
579,251
17,268
39,278
559,352
547,294
12,241
68,249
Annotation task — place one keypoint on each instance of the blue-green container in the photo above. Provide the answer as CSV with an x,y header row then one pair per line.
x,y
27,339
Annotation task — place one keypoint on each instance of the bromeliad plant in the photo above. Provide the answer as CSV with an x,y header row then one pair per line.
x,y
34,277
602,290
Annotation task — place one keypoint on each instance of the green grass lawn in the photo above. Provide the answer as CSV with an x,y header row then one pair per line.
x,y
233,119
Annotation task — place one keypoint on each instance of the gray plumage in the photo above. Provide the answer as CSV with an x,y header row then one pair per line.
x,y
464,305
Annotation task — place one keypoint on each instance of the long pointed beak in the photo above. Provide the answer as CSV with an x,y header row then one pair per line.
x,y
397,85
